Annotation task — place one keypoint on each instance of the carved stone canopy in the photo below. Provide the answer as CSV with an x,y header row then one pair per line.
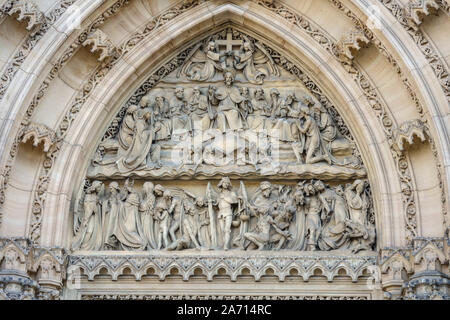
x,y
229,146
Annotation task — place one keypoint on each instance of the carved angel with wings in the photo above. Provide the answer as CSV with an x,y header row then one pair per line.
x,y
201,65
253,61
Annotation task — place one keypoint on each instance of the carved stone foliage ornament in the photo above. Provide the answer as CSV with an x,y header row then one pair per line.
x,y
100,42
38,134
408,131
255,159
27,10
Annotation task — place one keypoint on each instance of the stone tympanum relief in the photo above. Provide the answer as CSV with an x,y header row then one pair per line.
x,y
228,151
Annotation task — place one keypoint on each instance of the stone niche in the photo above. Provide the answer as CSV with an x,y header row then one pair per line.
x,y
229,146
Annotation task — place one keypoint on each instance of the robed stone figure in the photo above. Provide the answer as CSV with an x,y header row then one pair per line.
x,y
139,150
129,229
228,99
88,230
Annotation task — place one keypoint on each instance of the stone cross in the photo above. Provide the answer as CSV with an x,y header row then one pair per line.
x,y
229,42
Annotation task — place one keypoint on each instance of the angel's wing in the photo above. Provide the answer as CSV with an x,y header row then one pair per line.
x,y
182,194
244,196
243,192
199,55
210,193
266,56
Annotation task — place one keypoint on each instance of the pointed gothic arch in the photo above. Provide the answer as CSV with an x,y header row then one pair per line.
x,y
86,115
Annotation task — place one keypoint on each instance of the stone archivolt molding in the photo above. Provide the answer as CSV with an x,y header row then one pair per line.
x,y
411,90
232,265
422,42
12,69
60,63
37,21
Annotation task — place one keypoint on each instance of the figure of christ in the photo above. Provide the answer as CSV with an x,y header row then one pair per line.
x,y
228,98
226,200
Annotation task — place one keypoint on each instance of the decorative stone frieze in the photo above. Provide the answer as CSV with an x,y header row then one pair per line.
x,y
229,264
27,10
351,42
100,43
423,42
38,133
407,131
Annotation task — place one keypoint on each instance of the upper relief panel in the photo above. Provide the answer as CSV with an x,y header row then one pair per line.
x,y
232,106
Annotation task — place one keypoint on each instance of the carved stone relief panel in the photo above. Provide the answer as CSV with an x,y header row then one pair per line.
x,y
234,149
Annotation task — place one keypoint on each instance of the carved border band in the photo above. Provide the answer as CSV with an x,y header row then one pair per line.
x,y
282,265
